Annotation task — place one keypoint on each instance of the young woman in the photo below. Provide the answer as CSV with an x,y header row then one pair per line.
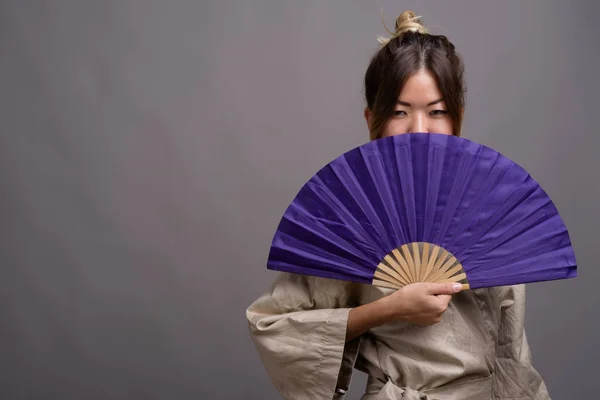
x,y
424,341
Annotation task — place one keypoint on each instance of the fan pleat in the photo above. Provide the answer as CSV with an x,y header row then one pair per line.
x,y
406,203
452,188
348,213
501,213
436,159
382,194
483,184
316,257
302,228
355,180
524,231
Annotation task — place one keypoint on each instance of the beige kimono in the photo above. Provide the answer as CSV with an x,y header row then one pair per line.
x,y
478,351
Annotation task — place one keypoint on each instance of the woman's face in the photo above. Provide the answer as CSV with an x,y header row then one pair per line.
x,y
420,108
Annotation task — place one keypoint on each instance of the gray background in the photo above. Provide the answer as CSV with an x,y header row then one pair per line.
x,y
149,148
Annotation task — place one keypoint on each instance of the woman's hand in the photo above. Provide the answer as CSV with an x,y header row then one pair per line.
x,y
420,303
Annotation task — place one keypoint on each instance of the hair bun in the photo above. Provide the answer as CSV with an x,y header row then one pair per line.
x,y
408,21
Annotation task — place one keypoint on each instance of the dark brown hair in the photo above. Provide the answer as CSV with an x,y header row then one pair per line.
x,y
410,49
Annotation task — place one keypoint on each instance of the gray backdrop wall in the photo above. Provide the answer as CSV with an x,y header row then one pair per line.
x,y
149,148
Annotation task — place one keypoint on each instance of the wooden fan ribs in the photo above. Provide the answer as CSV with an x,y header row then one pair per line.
x,y
418,262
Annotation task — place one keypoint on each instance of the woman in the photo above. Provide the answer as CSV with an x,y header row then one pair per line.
x,y
424,341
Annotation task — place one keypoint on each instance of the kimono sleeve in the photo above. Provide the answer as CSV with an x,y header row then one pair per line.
x,y
515,376
299,330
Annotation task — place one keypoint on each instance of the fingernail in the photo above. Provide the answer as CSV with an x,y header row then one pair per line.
x,y
457,287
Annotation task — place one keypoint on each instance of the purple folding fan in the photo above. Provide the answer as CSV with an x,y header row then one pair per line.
x,y
423,208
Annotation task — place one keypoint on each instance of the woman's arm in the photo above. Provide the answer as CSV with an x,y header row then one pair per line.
x,y
419,303
299,327
515,375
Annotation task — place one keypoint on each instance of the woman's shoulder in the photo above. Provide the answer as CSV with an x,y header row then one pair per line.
x,y
291,289
510,292
500,297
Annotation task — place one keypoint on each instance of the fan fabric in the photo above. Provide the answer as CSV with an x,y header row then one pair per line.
x,y
448,191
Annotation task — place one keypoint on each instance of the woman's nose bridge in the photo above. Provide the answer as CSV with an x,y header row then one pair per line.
x,y
418,122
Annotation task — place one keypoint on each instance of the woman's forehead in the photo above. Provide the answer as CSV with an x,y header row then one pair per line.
x,y
420,88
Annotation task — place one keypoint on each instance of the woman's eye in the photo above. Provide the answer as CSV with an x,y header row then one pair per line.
x,y
399,113
438,112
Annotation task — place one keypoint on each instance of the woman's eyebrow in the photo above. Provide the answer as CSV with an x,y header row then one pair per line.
x,y
403,103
